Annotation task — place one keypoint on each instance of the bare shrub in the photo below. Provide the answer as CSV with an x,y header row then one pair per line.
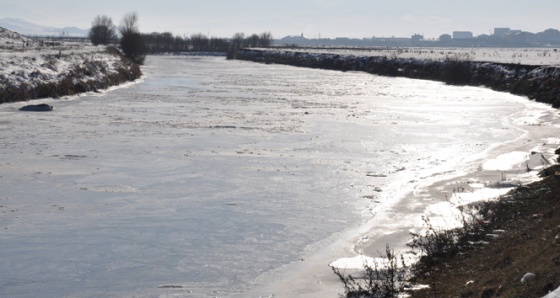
x,y
438,242
102,30
457,69
379,280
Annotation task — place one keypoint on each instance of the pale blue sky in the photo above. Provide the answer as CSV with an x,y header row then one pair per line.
x,y
327,18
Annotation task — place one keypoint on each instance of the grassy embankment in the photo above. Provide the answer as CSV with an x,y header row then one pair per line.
x,y
520,234
72,75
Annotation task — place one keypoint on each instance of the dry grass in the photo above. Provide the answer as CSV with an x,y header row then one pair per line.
x,y
523,235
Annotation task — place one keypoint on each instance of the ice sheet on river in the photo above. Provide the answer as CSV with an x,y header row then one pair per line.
x,y
227,178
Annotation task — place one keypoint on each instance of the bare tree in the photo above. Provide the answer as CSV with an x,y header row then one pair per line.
x,y
252,41
133,44
129,23
180,44
266,39
199,42
102,30
218,45
237,40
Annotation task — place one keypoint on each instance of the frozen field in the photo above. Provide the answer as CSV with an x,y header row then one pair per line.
x,y
215,178
529,56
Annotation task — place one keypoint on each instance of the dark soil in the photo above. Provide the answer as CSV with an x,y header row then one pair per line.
x,y
523,235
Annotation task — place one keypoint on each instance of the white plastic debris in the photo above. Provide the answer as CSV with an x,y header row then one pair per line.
x,y
527,277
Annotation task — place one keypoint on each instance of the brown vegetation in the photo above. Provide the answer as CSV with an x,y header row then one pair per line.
x,y
522,235
507,248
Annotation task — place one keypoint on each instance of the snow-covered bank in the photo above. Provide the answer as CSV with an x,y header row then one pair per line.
x,y
517,236
30,71
540,83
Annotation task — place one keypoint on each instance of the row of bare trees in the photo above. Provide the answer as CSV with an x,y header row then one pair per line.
x,y
135,45
166,42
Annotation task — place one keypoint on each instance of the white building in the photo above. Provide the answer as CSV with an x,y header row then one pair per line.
x,y
462,35
501,31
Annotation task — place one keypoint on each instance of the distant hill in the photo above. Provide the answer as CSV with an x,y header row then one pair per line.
x,y
31,29
10,39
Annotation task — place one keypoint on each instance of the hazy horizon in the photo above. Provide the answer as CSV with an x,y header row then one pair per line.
x,y
313,18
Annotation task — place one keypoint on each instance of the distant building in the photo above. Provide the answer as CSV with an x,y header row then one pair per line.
x,y
518,37
549,37
501,32
445,38
502,37
462,35
416,38
293,39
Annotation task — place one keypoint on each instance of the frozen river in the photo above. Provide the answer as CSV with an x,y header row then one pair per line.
x,y
215,178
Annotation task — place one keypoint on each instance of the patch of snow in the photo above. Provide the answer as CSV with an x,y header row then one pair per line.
x,y
555,294
505,161
528,277
357,262
555,141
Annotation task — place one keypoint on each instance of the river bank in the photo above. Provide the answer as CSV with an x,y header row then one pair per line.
x,y
266,170
522,236
469,274
539,83
33,71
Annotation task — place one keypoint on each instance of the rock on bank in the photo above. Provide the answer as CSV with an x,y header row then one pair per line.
x,y
541,83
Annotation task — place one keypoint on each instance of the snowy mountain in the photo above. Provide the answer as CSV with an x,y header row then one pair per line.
x,y
28,28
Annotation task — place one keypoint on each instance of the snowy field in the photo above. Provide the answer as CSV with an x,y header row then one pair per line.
x,y
15,44
529,56
215,178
